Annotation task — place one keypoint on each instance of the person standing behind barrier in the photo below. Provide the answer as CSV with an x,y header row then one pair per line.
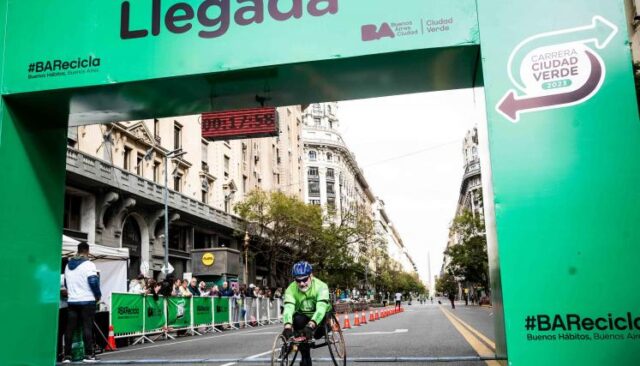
x,y
398,300
226,291
193,287
202,289
83,288
184,291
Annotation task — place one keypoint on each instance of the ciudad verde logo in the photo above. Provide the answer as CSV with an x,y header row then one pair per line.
x,y
556,69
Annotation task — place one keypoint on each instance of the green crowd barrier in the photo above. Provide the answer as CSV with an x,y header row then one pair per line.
x,y
202,311
127,314
135,315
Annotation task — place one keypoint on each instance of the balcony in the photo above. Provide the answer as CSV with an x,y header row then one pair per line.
x,y
102,172
472,169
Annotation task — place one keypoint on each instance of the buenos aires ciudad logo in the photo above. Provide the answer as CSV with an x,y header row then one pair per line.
x,y
556,69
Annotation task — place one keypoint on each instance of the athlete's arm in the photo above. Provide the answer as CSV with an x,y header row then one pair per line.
x,y
289,306
322,304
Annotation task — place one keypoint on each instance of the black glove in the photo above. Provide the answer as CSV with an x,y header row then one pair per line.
x,y
307,332
287,333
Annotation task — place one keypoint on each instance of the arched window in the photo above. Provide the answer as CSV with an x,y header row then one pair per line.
x,y
329,157
131,238
313,156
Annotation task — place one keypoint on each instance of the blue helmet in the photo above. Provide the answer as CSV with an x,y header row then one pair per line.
x,y
302,268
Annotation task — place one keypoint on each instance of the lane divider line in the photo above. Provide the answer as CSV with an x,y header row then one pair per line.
x,y
481,349
482,337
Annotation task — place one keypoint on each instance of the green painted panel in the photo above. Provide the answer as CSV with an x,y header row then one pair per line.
x,y
32,167
127,313
563,160
209,39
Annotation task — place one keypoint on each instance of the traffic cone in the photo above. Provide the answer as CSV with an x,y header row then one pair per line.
x,y
356,319
372,316
363,319
347,324
111,341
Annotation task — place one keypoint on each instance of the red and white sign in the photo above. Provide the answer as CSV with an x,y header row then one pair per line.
x,y
240,124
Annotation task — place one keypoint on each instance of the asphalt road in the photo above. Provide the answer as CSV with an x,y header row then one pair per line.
x,y
427,331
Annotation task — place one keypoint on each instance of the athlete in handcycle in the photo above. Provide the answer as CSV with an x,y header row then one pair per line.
x,y
307,317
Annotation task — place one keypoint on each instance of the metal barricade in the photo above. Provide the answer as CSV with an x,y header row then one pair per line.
x,y
262,311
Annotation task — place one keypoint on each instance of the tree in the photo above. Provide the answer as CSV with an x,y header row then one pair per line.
x,y
282,228
447,284
469,260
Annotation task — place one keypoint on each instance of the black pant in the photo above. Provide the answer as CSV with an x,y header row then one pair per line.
x,y
398,304
80,315
62,326
299,322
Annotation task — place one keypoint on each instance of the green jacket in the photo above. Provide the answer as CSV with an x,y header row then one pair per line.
x,y
314,303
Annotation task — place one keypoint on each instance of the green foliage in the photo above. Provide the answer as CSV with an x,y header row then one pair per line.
x,y
447,284
469,260
343,250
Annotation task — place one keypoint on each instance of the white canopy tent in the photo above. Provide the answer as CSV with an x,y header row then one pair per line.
x,y
110,262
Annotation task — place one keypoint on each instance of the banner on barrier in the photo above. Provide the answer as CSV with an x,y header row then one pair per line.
x,y
127,313
202,310
179,309
221,310
154,316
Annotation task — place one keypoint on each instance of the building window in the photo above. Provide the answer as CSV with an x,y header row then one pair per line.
x,y
178,237
205,195
127,159
72,207
156,172
315,202
140,164
314,188
227,162
313,171
330,173
329,157
316,108
278,178
156,128
177,182
244,183
329,108
331,188
331,203
278,159
313,155
205,152
177,136
317,121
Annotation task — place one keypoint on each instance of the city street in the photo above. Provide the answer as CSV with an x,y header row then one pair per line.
x,y
424,331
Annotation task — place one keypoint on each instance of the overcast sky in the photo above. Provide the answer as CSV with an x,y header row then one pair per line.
x,y
410,149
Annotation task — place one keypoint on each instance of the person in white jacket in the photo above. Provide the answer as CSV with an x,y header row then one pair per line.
x,y
83,289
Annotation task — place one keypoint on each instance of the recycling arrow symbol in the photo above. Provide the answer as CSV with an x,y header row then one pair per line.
x,y
556,69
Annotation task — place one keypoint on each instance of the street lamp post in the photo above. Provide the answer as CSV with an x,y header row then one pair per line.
x,y
172,154
246,256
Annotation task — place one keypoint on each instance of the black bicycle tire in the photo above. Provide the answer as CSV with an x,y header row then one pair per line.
x,y
329,344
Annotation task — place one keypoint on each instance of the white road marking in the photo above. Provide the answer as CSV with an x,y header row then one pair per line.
x,y
379,333
248,358
164,344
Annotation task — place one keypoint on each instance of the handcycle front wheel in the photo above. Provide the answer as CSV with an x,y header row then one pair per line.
x,y
335,341
283,353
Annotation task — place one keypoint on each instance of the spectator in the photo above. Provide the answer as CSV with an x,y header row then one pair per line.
x,y
184,291
83,287
250,292
153,289
226,291
215,291
175,290
202,289
135,287
238,310
278,293
193,287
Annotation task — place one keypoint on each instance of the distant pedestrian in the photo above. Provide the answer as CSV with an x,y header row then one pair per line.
x,y
398,300
452,298
83,289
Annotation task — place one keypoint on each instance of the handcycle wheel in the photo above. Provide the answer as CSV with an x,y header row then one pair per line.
x,y
335,341
282,354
